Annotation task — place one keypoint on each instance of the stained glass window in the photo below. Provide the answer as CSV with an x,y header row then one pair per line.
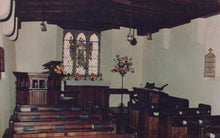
x,y
67,59
81,52
93,54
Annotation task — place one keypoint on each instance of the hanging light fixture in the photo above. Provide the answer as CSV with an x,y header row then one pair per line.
x,y
130,36
133,42
43,26
149,36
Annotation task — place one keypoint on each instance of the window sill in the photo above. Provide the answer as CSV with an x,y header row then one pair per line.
x,y
86,83
214,79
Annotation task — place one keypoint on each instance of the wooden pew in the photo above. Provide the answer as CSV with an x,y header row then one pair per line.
x,y
36,108
181,122
144,111
52,116
41,113
19,127
52,121
170,103
145,120
208,125
73,127
171,126
195,130
66,129
100,134
46,112
211,132
77,128
151,121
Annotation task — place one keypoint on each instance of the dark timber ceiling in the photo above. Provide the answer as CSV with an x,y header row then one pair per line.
x,y
148,16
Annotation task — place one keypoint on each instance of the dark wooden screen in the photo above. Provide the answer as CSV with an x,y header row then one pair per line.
x,y
2,61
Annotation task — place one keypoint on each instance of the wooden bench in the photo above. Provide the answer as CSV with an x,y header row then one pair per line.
x,y
35,108
77,135
172,126
52,116
145,120
182,122
51,121
208,125
64,129
60,126
170,103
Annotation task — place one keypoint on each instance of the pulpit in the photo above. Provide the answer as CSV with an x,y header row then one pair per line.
x,y
37,88
90,91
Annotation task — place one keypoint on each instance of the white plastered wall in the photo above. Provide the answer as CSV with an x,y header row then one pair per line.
x,y
115,42
35,48
181,62
7,83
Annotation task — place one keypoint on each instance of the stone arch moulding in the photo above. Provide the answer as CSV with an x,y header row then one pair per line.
x,y
14,37
5,9
8,27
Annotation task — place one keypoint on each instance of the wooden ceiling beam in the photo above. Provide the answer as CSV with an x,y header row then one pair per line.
x,y
59,3
155,7
146,16
85,26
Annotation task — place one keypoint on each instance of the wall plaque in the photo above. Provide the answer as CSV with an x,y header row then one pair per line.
x,y
209,70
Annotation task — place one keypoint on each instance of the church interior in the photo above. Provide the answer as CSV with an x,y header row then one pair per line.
x,y
149,68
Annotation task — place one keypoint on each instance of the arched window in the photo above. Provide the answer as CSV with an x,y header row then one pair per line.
x,y
67,58
81,52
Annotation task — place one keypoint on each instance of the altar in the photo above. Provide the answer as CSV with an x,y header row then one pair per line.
x,y
90,91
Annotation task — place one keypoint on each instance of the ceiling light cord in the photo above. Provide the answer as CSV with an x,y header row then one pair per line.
x,y
43,25
130,36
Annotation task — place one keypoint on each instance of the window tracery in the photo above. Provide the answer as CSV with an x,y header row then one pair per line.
x,y
81,52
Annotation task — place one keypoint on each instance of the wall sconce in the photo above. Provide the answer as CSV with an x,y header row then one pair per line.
x,y
43,27
149,36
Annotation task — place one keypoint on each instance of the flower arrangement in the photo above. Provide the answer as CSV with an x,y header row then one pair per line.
x,y
54,68
122,65
92,77
77,76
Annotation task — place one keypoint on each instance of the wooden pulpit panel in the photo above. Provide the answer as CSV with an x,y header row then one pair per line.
x,y
38,97
37,88
2,61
